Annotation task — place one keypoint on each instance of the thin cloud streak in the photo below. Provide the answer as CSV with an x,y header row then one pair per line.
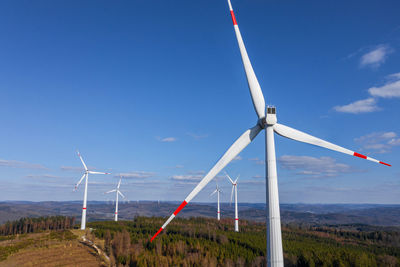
x,y
258,161
21,165
43,176
135,175
74,169
168,139
198,136
314,167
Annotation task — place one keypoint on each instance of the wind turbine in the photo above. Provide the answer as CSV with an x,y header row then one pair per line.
x,y
269,124
234,188
218,191
116,201
85,175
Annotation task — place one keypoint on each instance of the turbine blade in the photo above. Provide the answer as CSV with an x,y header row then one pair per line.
x,y
92,172
80,181
119,192
255,89
237,178
243,141
230,179
84,165
215,191
119,183
297,135
110,191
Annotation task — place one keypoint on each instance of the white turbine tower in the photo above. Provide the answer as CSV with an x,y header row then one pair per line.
x,y
234,189
85,175
116,200
218,191
270,125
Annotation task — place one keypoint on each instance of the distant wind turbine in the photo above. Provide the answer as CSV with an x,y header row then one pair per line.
x,y
116,200
218,191
85,175
234,189
267,122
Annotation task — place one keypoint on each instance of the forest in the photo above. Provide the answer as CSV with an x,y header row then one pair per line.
x,y
207,242
32,225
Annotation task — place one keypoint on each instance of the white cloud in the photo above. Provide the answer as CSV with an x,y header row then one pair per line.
x,y
380,142
375,57
20,164
187,177
258,176
136,175
168,139
315,167
395,76
389,90
360,106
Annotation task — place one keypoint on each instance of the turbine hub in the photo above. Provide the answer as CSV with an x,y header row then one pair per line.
x,y
271,115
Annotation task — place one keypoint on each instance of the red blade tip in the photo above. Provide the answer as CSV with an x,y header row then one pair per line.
x,y
385,163
156,234
233,18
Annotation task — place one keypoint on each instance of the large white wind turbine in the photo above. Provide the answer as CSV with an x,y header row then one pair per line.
x,y
234,189
85,175
269,123
116,201
218,191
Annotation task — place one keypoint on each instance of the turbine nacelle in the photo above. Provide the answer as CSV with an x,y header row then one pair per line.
x,y
271,116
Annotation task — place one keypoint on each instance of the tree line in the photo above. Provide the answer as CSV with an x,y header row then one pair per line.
x,y
31,225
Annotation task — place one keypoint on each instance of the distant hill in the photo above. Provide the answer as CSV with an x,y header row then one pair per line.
x,y
315,214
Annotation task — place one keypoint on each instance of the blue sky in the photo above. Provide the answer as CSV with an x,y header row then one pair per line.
x,y
155,90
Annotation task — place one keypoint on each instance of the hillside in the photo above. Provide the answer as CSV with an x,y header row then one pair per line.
x,y
50,248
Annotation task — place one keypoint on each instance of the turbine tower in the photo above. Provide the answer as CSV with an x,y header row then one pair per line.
x,y
234,188
85,175
218,191
116,200
268,123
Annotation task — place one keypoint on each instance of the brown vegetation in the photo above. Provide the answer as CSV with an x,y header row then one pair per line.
x,y
57,248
